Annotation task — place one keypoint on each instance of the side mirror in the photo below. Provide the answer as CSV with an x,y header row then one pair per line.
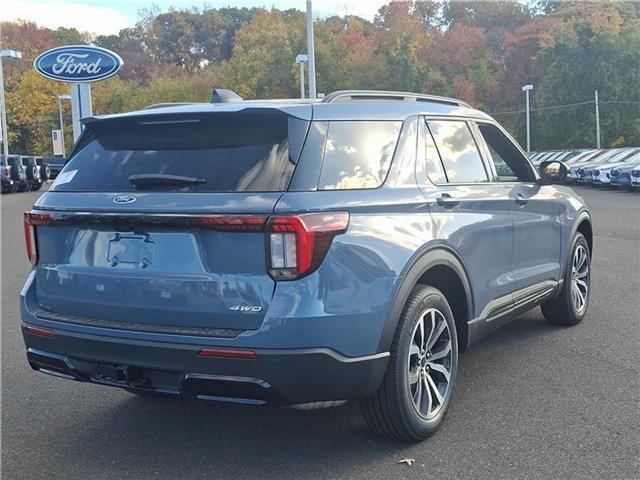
x,y
552,172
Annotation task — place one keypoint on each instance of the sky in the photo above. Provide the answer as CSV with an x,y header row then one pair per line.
x,y
104,17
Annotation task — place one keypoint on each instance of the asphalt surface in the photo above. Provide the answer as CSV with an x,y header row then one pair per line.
x,y
532,401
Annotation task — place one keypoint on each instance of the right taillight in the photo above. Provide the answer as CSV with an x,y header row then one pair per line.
x,y
297,244
32,219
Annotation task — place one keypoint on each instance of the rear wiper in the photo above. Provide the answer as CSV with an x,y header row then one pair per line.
x,y
154,179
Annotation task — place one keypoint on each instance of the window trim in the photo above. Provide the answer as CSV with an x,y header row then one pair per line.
x,y
469,122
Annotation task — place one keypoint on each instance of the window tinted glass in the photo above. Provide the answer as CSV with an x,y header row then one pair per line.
x,y
511,166
358,154
434,164
228,152
458,150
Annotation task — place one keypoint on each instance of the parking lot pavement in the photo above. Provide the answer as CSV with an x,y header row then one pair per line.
x,y
533,401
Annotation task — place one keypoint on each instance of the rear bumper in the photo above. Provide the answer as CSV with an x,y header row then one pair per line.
x,y
280,377
169,363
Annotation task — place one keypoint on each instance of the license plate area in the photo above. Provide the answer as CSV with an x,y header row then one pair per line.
x,y
130,250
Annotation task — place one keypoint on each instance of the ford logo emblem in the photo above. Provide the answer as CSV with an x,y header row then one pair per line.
x,y
120,199
78,63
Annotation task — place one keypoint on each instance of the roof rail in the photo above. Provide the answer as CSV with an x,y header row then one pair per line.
x,y
350,95
167,104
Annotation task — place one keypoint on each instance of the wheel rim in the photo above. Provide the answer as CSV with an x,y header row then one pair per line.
x,y
580,279
430,361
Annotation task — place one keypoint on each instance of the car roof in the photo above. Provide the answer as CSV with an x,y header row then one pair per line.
x,y
346,106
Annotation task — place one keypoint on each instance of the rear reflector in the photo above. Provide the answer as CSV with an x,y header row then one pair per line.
x,y
227,353
40,332
299,243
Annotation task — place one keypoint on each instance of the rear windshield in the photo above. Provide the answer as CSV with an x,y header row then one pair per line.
x,y
231,152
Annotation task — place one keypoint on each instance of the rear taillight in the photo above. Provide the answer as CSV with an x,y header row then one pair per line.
x,y
297,244
31,220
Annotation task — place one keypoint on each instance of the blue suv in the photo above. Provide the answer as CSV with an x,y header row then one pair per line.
x,y
290,252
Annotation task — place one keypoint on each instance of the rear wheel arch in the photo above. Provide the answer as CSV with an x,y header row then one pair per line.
x,y
439,267
583,225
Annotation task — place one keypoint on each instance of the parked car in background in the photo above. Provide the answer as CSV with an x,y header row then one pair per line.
x,y
18,173
7,182
601,156
622,175
601,174
635,177
292,252
32,169
586,172
55,164
45,171
579,156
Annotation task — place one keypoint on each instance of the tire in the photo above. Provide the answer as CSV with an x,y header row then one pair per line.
x,y
567,309
23,187
392,410
36,186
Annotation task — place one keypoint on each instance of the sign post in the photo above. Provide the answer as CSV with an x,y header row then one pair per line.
x,y
80,106
79,65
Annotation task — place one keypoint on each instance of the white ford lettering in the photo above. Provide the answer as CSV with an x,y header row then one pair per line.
x,y
67,63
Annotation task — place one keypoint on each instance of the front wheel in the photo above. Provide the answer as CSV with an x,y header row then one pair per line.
x,y
570,305
415,393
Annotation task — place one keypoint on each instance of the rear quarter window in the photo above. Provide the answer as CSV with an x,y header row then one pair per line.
x,y
357,154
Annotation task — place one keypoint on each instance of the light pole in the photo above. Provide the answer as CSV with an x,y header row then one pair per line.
x,y
301,60
60,98
526,89
3,105
597,102
311,52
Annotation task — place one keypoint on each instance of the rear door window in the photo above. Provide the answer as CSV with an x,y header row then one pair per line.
x,y
357,154
458,150
226,152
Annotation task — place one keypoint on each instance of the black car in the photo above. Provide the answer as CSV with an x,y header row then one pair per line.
x,y
7,183
34,179
17,172
54,164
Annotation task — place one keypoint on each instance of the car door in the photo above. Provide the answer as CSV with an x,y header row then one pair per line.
x,y
535,210
470,213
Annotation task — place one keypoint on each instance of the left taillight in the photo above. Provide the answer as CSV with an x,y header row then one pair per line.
x,y
297,244
31,220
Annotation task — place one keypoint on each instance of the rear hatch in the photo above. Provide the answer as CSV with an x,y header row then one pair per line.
x,y
156,223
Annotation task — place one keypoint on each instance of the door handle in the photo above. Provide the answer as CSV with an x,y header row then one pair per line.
x,y
447,201
521,199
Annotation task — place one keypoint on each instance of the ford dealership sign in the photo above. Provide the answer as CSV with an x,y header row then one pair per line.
x,y
78,63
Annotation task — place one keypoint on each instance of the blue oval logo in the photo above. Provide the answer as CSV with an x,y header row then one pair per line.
x,y
124,199
78,63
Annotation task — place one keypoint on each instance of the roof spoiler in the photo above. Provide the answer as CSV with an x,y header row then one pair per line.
x,y
221,95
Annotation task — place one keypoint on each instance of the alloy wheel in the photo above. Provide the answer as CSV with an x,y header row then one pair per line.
x,y
580,279
430,361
